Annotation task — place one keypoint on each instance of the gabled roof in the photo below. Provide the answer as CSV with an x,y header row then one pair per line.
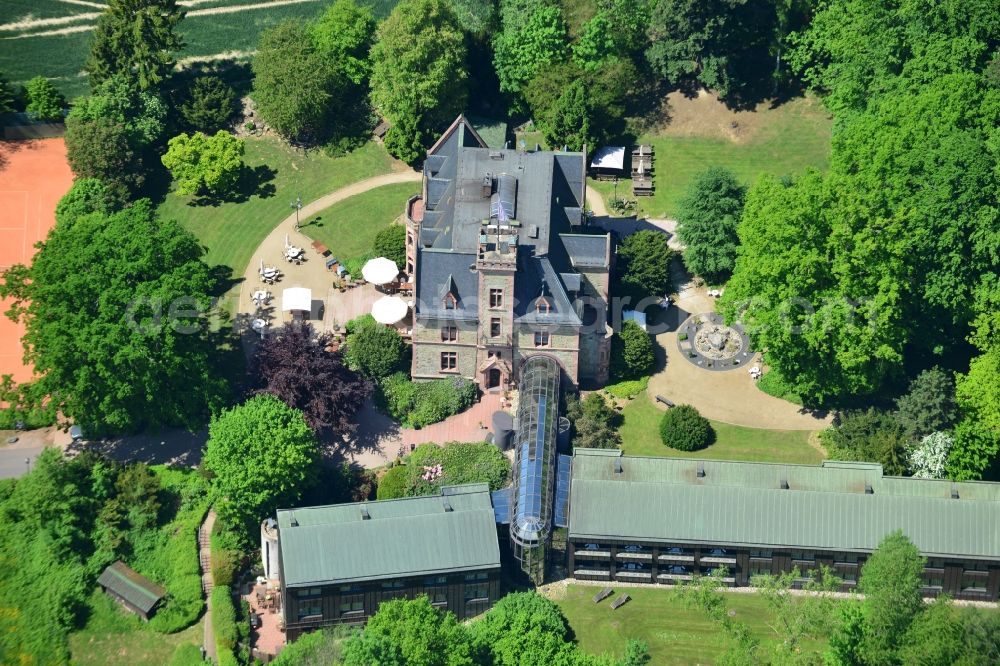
x,y
825,506
131,586
440,272
413,536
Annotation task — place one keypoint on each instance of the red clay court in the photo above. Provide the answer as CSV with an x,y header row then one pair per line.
x,y
34,175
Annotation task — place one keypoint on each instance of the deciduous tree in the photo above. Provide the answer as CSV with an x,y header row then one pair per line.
x,y
262,455
44,101
113,305
101,150
419,73
137,38
87,195
532,36
391,244
295,86
708,217
295,366
373,349
410,632
683,428
205,164
344,34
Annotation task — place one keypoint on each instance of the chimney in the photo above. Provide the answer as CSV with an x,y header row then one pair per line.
x,y
618,465
364,512
294,522
954,491
701,470
868,489
784,484
447,505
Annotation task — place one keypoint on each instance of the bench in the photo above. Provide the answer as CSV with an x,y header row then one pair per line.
x,y
323,250
620,601
330,263
603,594
664,401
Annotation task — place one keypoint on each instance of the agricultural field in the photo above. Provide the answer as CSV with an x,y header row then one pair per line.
x,y
52,37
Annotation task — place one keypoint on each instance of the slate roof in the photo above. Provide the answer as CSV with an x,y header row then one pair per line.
x,y
131,586
545,191
743,504
438,270
405,537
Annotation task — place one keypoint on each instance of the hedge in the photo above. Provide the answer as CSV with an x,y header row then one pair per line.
x,y
393,483
224,625
627,389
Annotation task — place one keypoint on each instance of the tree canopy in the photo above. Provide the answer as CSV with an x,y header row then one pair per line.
x,y
644,263
707,219
683,428
87,195
112,305
44,101
201,164
262,455
137,38
419,75
391,244
208,104
373,349
631,352
929,404
595,423
295,366
344,34
532,35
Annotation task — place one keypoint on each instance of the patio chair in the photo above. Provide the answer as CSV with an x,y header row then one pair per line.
x,y
620,601
603,594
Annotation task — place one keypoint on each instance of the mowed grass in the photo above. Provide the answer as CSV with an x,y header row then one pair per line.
x,y
114,637
787,140
349,227
62,57
232,231
641,437
675,633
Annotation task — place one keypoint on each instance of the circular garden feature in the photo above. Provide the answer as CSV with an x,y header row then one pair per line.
x,y
706,341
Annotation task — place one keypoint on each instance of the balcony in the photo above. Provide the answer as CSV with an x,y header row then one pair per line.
x,y
603,573
634,575
716,559
646,557
671,557
596,554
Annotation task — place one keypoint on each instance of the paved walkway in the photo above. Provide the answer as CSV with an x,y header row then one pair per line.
x,y
380,440
205,562
312,274
731,397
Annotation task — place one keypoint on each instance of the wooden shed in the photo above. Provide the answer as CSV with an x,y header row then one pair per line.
x,y
131,589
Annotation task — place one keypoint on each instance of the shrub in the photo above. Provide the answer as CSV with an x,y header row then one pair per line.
x,y
391,244
683,428
627,389
870,435
224,563
393,483
373,349
202,164
929,457
595,423
631,352
416,404
773,383
353,265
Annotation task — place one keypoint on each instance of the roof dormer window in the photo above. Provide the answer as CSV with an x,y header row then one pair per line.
x,y
543,306
450,301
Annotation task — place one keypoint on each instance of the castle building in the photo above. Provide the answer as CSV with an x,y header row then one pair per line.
x,y
503,265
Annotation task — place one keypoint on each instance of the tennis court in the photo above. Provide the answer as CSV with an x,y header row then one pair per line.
x,y
34,175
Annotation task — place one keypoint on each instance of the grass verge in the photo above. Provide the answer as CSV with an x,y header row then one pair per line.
x,y
675,633
349,227
115,637
641,437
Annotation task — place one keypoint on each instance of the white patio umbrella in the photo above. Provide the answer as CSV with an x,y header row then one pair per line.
x,y
389,310
296,298
380,270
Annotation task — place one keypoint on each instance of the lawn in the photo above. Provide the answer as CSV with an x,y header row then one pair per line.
x,y
675,633
232,231
113,637
641,437
348,227
783,140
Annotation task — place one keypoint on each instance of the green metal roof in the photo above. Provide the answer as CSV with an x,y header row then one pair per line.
x,y
131,586
400,538
737,503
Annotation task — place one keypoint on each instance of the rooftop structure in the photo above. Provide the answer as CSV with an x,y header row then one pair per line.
x,y
131,589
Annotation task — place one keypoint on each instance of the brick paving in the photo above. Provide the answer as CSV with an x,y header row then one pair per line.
x,y
268,638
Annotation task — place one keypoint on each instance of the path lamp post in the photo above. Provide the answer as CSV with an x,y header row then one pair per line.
x,y
27,463
297,205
